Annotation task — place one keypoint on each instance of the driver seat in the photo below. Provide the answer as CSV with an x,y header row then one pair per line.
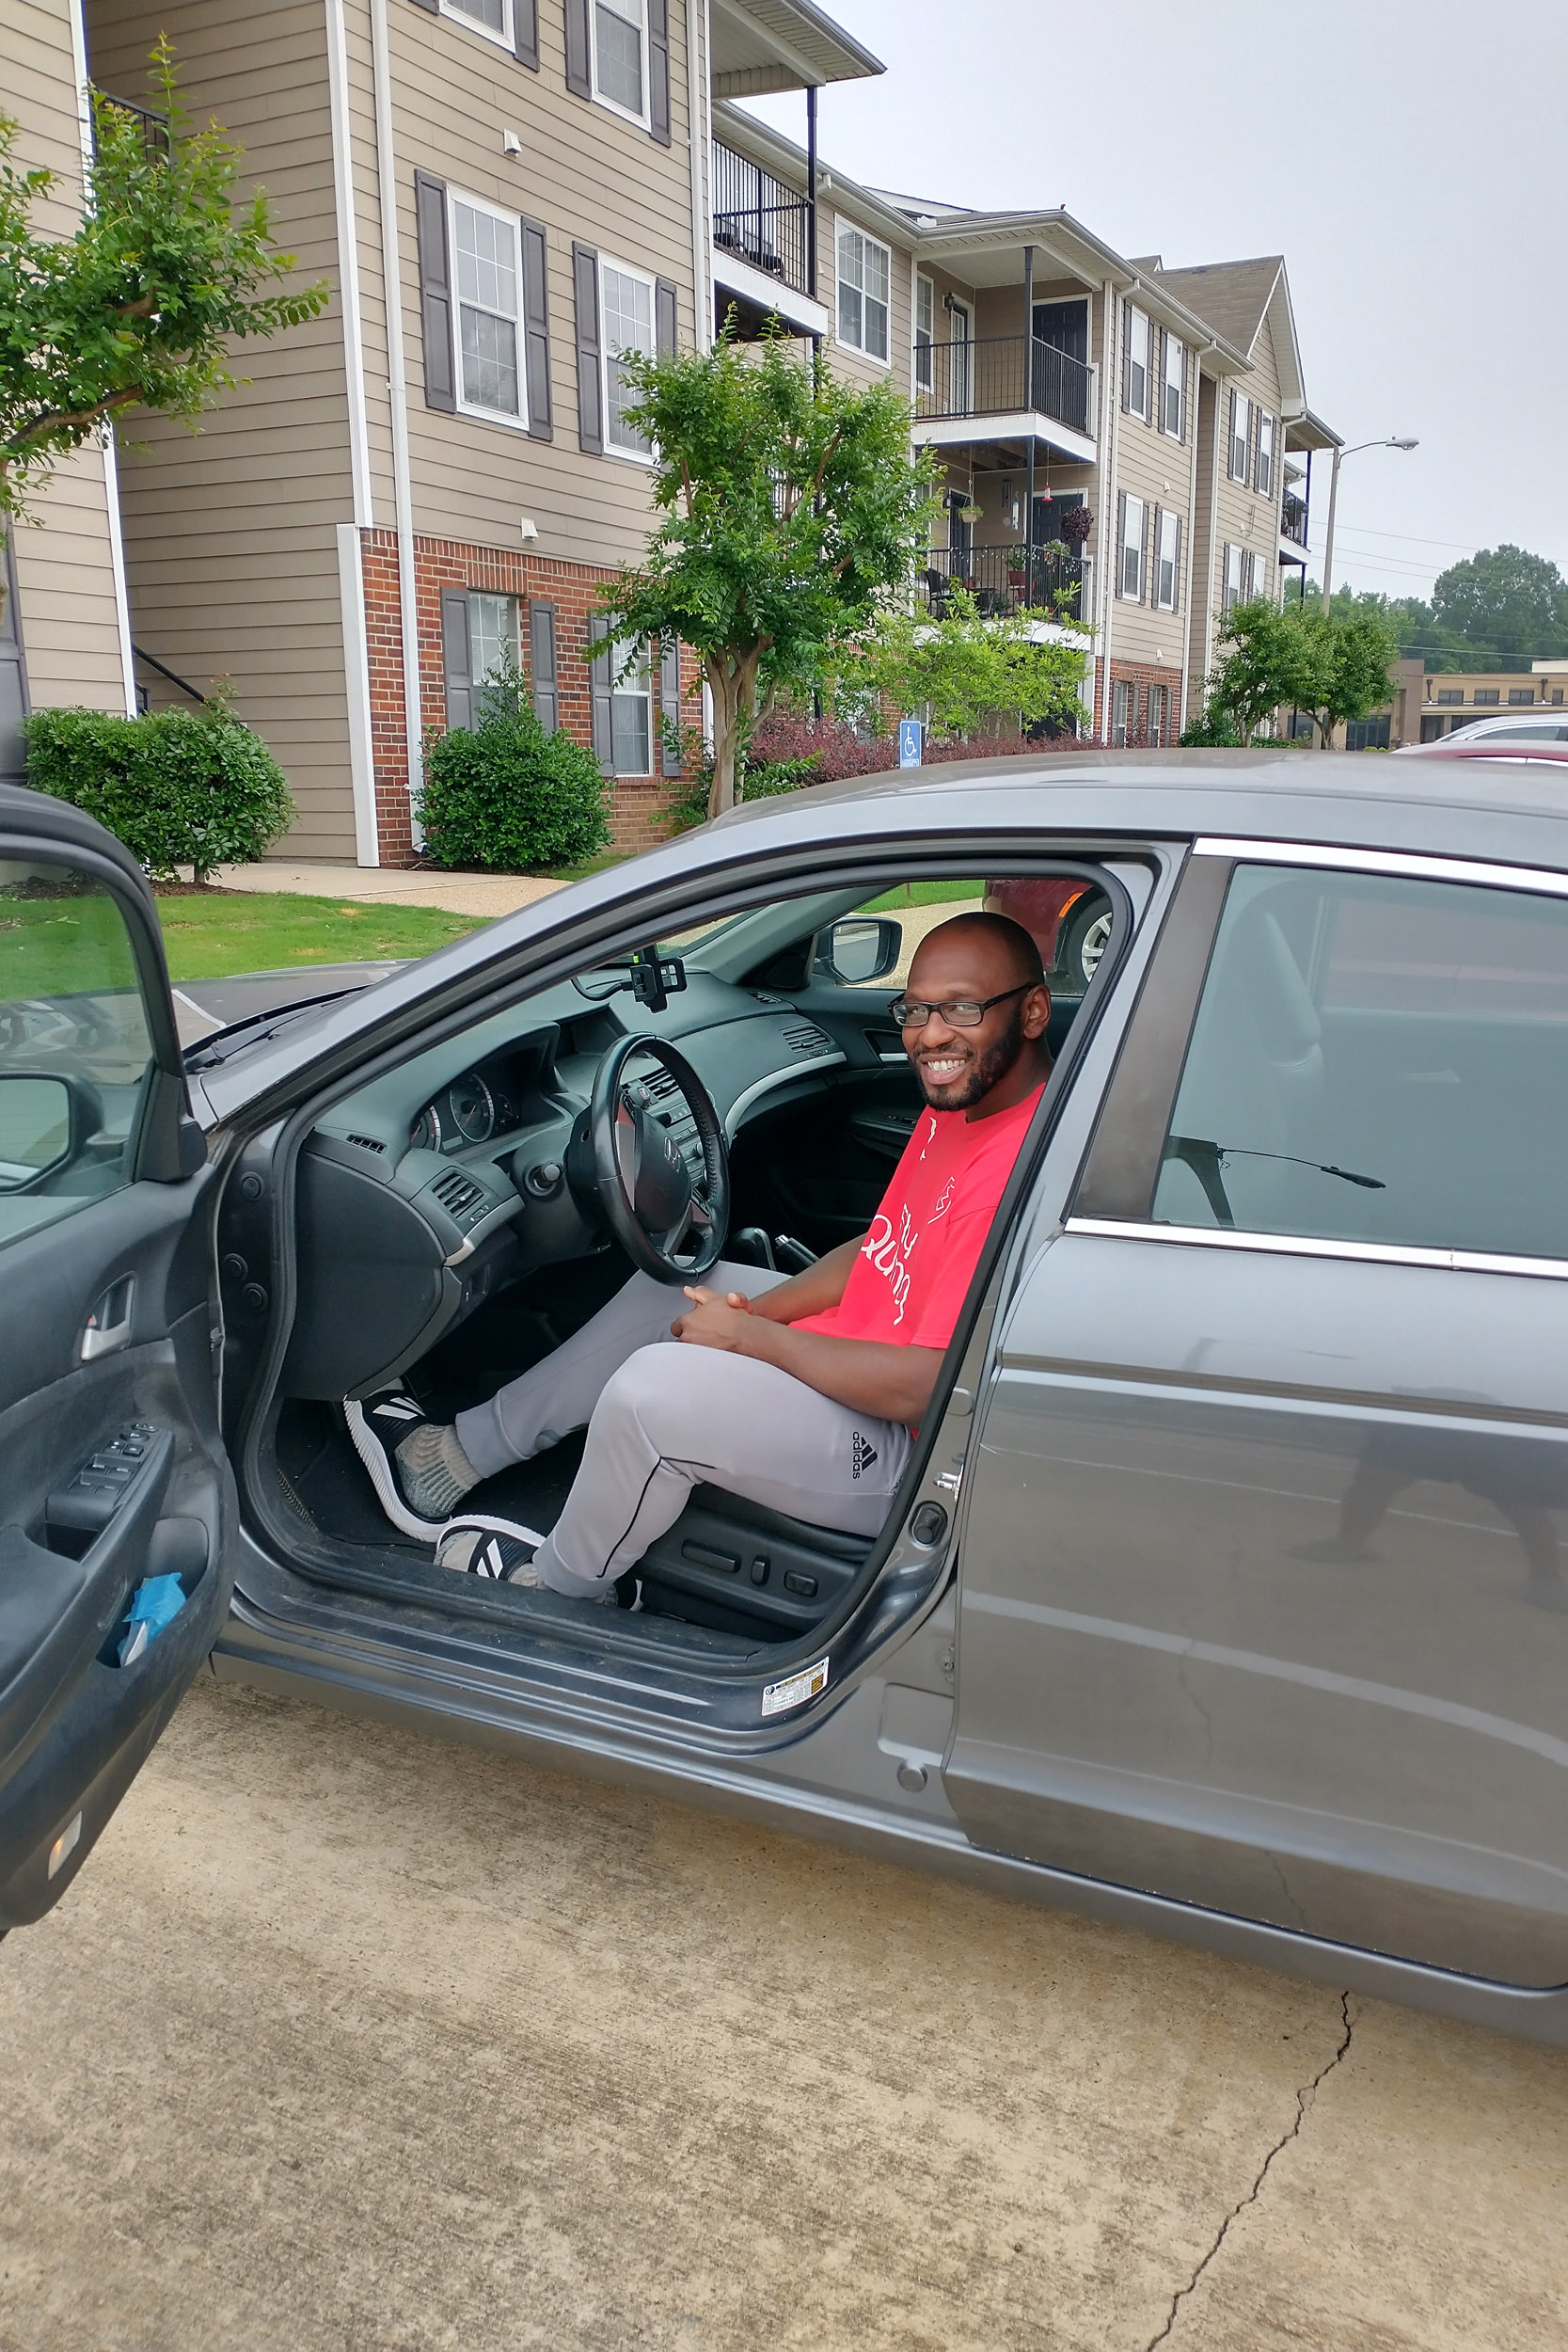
x,y
741,1568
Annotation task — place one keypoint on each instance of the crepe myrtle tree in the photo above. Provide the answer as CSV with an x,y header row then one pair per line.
x,y
792,514
139,308
968,669
1333,665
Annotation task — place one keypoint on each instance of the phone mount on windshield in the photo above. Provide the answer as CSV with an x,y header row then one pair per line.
x,y
651,977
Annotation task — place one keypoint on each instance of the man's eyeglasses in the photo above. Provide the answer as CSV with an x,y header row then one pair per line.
x,y
965,1013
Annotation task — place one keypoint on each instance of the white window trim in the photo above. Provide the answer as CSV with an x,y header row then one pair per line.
x,y
1131,500
1146,363
920,279
1263,417
504,40
1166,343
607,260
1242,399
841,222
1166,515
613,105
517,423
633,685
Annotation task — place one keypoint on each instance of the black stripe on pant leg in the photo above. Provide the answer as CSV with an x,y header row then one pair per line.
x,y
659,1465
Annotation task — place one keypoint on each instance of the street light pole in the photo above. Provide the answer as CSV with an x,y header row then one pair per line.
x,y
1400,442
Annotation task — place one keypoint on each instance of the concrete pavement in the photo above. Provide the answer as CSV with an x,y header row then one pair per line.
x,y
348,2040
419,886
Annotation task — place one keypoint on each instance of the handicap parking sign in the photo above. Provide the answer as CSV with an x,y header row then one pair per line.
x,y
910,733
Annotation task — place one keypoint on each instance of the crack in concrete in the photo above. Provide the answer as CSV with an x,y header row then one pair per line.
x,y
1303,2097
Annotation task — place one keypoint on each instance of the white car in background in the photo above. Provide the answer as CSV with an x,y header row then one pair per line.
x,y
1538,734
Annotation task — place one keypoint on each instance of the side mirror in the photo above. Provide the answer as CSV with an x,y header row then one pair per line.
x,y
860,948
43,1123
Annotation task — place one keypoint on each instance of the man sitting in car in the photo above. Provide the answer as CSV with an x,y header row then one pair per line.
x,y
801,1393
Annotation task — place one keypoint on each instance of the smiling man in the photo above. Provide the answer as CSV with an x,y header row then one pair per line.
x,y
803,1392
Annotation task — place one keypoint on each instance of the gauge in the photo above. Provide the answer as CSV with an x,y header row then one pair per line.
x,y
473,1107
425,1134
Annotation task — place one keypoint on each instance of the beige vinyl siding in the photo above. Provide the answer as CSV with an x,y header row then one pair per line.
x,y
1152,467
70,622
586,175
1246,520
231,541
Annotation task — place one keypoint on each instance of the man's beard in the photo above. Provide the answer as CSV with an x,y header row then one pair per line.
x,y
989,1070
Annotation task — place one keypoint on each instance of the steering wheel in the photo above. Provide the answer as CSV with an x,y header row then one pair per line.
x,y
669,1226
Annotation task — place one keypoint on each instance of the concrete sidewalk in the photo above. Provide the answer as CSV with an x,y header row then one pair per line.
x,y
411,887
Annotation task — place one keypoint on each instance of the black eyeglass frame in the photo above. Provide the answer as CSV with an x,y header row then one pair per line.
x,y
903,1011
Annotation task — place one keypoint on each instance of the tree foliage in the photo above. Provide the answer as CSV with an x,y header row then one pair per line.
x,y
140,307
179,787
1297,656
1499,610
792,511
504,796
968,670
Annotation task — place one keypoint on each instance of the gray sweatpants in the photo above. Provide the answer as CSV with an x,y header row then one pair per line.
x,y
663,1418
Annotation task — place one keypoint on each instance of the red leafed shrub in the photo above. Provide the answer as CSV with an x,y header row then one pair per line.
x,y
831,743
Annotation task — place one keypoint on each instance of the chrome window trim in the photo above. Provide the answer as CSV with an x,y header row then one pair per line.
x,y
1454,870
1309,1246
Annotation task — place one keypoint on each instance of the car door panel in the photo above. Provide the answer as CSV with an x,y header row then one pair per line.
x,y
112,1470
1246,1616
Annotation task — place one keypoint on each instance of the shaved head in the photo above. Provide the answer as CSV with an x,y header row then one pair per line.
x,y
989,961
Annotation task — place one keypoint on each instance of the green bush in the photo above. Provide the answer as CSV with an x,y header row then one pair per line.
x,y
179,787
754,779
505,796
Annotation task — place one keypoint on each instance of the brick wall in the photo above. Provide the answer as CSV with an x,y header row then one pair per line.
x,y
1142,675
636,803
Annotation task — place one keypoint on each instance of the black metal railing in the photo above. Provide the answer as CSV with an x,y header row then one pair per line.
x,y
999,374
1292,519
761,220
1047,578
153,126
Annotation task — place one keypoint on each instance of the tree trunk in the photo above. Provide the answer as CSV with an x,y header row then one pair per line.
x,y
733,683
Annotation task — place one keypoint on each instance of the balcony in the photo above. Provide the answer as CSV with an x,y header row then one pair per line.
x,y
1292,521
1012,385
1007,580
763,244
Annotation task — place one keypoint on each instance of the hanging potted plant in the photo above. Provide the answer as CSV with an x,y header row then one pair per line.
x,y
1077,523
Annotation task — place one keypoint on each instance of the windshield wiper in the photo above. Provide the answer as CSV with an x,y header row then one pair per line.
x,y
236,1035
1207,1161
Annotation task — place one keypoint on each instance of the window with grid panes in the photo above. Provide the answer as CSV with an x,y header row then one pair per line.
x,y
864,287
487,269
620,55
1172,389
627,301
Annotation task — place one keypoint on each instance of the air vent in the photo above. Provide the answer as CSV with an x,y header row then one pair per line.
x,y
806,1038
367,1143
659,1085
457,1193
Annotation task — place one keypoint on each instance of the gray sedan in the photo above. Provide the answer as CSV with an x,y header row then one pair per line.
x,y
1225,1594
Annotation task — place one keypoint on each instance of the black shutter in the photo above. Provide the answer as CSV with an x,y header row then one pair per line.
x,y
457,659
536,330
659,69
577,79
541,662
525,32
664,317
1121,543
585,282
599,683
670,761
429,218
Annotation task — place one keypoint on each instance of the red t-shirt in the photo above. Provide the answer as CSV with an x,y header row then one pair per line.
x,y
917,1261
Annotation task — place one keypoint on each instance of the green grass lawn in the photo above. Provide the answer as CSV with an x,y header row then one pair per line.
x,y
923,894
207,939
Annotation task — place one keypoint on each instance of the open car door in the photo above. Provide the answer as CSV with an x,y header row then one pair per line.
x,y
116,1506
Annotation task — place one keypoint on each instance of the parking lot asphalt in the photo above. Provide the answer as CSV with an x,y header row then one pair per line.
x,y
351,2039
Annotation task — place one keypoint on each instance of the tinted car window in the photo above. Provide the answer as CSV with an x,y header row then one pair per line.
x,y
1538,731
1378,1059
75,1044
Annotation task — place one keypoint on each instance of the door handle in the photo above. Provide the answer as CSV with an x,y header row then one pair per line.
x,y
109,1326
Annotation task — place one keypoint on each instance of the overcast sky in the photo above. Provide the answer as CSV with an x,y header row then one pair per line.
x,y
1408,158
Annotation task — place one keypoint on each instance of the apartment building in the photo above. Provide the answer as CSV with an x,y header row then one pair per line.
x,y
505,196
1048,373
1427,703
64,626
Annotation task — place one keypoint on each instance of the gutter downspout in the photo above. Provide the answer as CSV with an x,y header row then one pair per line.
x,y
1214,527
111,460
1110,409
697,142
1192,537
391,272
351,576
1029,410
